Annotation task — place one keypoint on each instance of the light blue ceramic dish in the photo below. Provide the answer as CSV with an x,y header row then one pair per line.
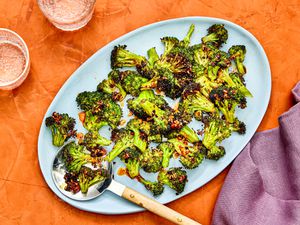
x,y
96,68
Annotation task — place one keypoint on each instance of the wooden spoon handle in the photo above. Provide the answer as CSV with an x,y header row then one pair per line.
x,y
156,207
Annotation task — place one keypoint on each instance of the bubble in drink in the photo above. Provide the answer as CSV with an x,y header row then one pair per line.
x,y
68,14
12,62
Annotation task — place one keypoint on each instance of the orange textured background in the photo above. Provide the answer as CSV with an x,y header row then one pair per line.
x,y
55,55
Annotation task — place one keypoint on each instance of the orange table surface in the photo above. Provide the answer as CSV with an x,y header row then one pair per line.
x,y
24,196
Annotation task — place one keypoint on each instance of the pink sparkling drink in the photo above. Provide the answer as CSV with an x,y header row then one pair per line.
x,y
68,15
14,60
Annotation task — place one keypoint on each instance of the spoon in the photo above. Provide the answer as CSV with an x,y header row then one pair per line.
x,y
59,170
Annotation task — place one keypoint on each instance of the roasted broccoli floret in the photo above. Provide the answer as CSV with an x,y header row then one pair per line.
x,y
175,178
88,177
155,187
100,110
191,156
215,131
168,149
239,83
234,80
121,57
130,157
61,126
169,43
194,103
112,86
72,183
151,160
237,53
206,85
187,39
123,139
227,99
141,131
132,81
134,105
93,139
147,69
186,132
216,35
238,126
194,156
74,157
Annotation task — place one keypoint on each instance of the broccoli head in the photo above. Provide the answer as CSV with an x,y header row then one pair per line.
x,y
147,68
61,126
132,81
175,178
141,131
186,132
93,140
151,160
121,57
155,187
169,43
227,99
100,110
130,157
237,53
194,157
123,139
88,177
112,86
239,83
74,157
216,35
194,103
168,149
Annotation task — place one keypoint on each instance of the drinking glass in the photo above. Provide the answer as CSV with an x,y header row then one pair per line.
x,y
68,15
14,60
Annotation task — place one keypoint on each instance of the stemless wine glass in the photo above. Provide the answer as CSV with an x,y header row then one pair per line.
x,y
14,60
68,15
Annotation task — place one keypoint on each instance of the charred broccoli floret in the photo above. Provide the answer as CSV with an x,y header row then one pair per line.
x,y
121,57
147,68
100,110
61,126
234,80
194,103
130,157
215,131
88,177
237,53
74,157
134,105
186,132
132,81
239,83
141,131
191,156
169,43
168,149
93,139
151,160
194,156
155,187
112,86
206,85
175,178
187,39
123,139
227,99
216,35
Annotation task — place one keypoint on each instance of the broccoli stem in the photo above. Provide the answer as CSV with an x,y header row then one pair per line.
x,y
189,134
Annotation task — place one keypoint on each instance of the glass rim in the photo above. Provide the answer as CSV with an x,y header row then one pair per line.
x,y
25,51
65,21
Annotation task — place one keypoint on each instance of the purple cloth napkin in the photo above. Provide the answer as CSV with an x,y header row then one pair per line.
x,y
263,184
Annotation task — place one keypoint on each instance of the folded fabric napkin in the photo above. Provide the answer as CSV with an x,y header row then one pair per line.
x,y
263,184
